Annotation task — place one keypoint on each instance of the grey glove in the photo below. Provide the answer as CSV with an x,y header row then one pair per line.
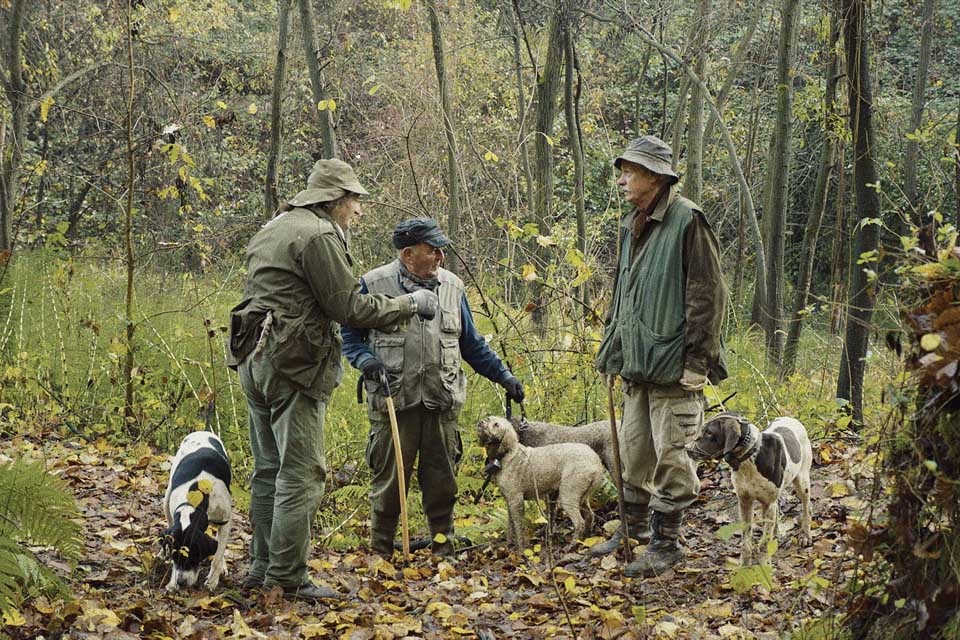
x,y
514,389
426,303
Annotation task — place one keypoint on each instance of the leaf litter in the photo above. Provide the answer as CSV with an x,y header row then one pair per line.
x,y
485,592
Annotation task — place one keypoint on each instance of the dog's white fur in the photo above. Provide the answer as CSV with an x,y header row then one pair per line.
x,y
571,471
218,509
753,486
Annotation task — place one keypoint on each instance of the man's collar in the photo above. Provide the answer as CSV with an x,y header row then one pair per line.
x,y
659,211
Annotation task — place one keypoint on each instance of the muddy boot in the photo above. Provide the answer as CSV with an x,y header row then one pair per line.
x,y
382,532
638,523
664,550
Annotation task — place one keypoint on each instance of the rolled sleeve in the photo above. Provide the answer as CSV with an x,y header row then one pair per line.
x,y
705,295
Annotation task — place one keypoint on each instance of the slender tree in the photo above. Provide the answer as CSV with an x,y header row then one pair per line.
x,y
693,180
312,55
819,204
15,91
129,259
911,154
446,108
571,110
270,201
862,293
513,15
743,46
778,177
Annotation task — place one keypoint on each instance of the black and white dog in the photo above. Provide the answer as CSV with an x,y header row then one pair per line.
x,y
198,495
763,463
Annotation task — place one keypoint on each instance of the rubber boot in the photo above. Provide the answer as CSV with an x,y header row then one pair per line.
x,y
664,550
382,532
638,522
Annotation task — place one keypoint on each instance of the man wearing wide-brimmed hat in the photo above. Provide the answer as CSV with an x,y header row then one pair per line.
x,y
662,338
427,384
285,344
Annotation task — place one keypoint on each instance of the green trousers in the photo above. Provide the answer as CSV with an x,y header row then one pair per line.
x,y
431,440
289,470
658,422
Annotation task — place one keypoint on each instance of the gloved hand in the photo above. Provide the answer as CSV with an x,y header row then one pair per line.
x,y
426,302
372,369
692,381
514,388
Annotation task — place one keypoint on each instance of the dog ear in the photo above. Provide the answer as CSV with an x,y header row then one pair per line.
x,y
731,435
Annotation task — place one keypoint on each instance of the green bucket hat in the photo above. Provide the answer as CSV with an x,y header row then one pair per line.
x,y
329,180
651,153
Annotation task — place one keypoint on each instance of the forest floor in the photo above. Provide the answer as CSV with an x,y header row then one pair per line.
x,y
486,592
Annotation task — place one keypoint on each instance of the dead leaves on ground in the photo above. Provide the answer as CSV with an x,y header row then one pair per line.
x,y
486,593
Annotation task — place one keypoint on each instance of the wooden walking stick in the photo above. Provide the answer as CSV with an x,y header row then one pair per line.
x,y
401,478
618,470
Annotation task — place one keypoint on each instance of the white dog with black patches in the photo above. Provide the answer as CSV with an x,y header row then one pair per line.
x,y
198,495
763,463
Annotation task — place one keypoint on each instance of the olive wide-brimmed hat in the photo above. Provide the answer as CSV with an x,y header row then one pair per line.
x,y
329,180
650,152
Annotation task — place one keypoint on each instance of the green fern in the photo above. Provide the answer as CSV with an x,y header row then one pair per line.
x,y
36,509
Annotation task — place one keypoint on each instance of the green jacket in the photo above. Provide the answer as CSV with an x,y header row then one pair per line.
x,y
669,297
300,273
423,362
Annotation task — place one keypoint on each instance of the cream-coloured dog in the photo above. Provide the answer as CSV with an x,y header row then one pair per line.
x,y
568,471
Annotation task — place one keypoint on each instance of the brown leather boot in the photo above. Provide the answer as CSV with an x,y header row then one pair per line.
x,y
638,523
663,552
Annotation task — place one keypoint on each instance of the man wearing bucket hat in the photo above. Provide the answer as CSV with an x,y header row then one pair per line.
x,y
426,381
662,338
285,343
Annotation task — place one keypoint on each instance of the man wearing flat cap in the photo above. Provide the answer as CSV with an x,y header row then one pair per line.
x,y
427,383
285,344
662,338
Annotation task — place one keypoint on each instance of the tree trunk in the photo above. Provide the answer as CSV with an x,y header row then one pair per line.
x,y
312,55
818,206
839,244
748,175
778,181
571,99
734,72
13,87
956,168
548,86
911,154
641,80
676,129
270,200
129,260
521,104
693,181
862,291
446,105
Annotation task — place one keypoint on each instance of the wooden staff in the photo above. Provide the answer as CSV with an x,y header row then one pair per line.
x,y
618,471
401,478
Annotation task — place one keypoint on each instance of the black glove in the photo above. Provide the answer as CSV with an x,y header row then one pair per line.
x,y
373,369
514,388
426,302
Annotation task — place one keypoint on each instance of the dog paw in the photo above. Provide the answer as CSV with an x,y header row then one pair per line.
x,y
212,582
804,540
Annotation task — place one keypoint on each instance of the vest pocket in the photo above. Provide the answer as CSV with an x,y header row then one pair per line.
x,y
390,351
648,356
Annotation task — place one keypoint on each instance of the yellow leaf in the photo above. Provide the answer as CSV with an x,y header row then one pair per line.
x,y
546,241
839,490
322,105
252,109
529,273
205,485
930,341
373,89
209,121
540,520
570,584
195,498
549,140
332,105
221,104
13,618
174,14
45,108
439,538
41,168
490,156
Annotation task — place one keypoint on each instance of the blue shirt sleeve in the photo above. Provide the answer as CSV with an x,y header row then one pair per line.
x,y
475,349
355,346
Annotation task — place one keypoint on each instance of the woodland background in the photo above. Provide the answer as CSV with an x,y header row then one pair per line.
x,y
143,142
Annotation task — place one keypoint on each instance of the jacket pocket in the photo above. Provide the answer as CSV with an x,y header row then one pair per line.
x,y
649,356
687,420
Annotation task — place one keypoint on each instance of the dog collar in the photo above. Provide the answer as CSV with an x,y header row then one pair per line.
x,y
747,446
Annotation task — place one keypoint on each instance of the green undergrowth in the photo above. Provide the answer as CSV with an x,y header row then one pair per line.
x,y
62,338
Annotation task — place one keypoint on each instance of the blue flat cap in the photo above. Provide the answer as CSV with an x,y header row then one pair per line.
x,y
417,230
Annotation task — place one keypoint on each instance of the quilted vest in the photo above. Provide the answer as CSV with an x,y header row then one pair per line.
x,y
423,362
644,339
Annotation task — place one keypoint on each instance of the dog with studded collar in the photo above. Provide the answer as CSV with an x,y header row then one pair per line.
x,y
763,463
198,495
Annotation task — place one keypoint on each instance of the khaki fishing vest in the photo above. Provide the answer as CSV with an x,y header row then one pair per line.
x,y
423,362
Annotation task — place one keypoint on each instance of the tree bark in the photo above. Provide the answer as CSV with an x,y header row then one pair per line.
x,y
521,104
862,293
270,200
548,86
778,181
129,259
911,154
14,88
446,107
571,99
693,181
734,72
818,206
312,55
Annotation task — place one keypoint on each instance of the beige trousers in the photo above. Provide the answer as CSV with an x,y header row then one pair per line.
x,y
658,422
